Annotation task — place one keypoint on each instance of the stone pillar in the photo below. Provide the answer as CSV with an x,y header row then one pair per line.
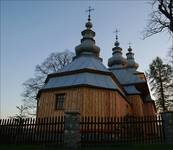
x,y
72,137
167,118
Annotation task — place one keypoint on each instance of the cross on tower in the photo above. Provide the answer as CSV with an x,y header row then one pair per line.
x,y
89,12
130,49
130,44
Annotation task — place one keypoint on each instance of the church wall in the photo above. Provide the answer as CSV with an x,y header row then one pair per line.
x,y
136,104
98,102
123,108
149,109
88,101
46,106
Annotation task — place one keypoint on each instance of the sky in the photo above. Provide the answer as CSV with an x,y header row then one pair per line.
x,y
31,30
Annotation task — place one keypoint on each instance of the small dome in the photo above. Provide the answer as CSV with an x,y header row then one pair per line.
x,y
87,46
117,60
130,49
117,44
88,25
130,60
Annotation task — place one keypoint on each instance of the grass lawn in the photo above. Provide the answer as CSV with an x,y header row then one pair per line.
x,y
117,147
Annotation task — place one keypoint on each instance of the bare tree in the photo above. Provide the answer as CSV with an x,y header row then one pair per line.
x,y
51,64
161,18
170,56
21,112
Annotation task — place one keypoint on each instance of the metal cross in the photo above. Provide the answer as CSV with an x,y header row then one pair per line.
x,y
130,44
89,10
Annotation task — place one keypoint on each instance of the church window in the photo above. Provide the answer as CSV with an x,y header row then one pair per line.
x,y
59,103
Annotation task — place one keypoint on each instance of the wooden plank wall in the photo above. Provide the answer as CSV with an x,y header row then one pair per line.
x,y
98,102
123,107
88,101
136,104
149,109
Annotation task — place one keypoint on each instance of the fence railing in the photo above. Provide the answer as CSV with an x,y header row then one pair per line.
x,y
127,130
32,131
94,130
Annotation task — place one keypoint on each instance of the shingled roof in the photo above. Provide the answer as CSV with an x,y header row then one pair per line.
x,y
125,77
88,79
85,61
86,69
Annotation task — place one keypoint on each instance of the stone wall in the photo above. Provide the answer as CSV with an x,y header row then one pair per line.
x,y
72,135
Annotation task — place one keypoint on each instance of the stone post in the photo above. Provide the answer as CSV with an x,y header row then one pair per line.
x,y
72,137
167,118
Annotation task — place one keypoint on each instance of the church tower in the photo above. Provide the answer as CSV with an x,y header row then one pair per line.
x,y
88,87
85,85
117,60
131,64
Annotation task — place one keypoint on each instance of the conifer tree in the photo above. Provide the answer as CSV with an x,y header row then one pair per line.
x,y
160,77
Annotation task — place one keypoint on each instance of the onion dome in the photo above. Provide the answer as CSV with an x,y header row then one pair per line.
x,y
87,42
131,64
117,60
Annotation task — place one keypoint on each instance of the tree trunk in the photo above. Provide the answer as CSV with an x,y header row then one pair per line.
x,y
171,15
171,26
162,91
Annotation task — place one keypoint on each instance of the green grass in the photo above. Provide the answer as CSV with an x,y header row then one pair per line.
x,y
117,147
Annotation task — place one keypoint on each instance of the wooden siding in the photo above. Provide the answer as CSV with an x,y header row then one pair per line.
x,y
136,104
88,101
149,109
123,108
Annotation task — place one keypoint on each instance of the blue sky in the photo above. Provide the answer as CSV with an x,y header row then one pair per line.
x,y
31,30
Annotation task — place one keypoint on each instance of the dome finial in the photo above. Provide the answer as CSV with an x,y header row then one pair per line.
x,y
89,12
116,43
117,60
130,44
87,42
116,34
89,25
130,49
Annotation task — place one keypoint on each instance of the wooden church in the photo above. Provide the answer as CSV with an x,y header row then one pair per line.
x,y
90,88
